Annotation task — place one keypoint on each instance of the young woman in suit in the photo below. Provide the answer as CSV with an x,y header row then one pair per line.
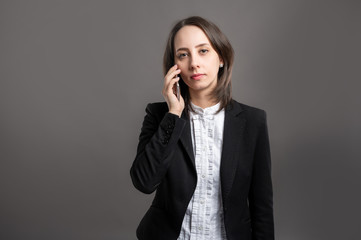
x,y
206,155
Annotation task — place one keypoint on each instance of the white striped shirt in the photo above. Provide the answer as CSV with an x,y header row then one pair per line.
x,y
203,219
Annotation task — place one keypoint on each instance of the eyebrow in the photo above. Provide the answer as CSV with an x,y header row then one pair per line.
x,y
199,45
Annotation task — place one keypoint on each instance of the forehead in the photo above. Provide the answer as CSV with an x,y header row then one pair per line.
x,y
189,36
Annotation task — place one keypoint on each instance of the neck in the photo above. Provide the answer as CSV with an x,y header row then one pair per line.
x,y
202,100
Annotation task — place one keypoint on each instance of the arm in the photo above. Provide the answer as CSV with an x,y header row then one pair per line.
x,y
155,149
261,193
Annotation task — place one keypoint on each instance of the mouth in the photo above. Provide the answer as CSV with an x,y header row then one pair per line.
x,y
197,76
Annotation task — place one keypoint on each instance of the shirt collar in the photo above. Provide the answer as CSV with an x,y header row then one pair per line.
x,y
205,111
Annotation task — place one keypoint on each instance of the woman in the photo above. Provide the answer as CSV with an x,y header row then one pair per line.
x,y
206,155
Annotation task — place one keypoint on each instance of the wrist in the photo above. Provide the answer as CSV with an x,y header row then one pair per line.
x,y
176,113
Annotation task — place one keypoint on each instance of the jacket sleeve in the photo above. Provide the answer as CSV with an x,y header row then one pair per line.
x,y
261,193
157,141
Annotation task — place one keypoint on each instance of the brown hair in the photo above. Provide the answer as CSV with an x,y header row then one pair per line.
x,y
221,45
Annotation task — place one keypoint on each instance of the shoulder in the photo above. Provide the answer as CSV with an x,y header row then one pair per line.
x,y
157,109
252,113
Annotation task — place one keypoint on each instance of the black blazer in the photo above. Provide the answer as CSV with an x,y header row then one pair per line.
x,y
165,162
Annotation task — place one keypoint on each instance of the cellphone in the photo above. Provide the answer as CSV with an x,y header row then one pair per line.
x,y
178,91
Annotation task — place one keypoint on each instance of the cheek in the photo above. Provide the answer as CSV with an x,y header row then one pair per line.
x,y
215,62
183,68
184,78
214,67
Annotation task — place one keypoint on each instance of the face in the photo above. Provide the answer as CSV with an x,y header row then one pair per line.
x,y
194,55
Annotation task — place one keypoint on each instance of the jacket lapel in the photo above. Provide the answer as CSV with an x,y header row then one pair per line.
x,y
186,139
232,140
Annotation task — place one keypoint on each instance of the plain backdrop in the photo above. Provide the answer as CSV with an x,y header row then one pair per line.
x,y
76,76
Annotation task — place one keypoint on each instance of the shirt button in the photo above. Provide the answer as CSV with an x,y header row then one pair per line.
x,y
205,148
202,201
203,176
200,228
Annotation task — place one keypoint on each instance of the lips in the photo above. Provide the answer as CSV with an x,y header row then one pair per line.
x,y
197,76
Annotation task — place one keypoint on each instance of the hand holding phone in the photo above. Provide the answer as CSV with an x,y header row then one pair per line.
x,y
171,91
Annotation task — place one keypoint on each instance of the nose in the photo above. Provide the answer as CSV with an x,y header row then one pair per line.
x,y
194,62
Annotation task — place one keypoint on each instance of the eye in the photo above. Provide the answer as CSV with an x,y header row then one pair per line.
x,y
182,55
204,50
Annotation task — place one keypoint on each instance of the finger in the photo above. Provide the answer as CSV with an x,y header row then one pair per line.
x,y
172,83
172,69
168,85
172,74
169,89
170,78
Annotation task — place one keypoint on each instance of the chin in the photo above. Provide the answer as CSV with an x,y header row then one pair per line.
x,y
198,84
198,87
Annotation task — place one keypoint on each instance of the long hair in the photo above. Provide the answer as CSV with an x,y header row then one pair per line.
x,y
220,43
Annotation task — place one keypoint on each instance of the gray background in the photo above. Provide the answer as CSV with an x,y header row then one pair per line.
x,y
75,78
